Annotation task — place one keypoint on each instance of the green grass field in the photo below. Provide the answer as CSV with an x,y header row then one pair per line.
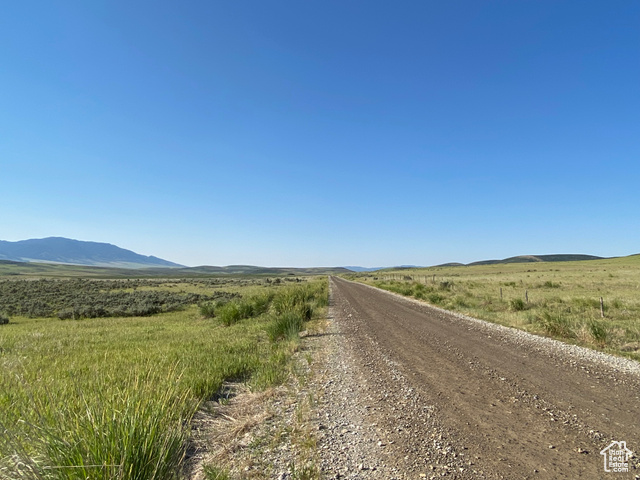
x,y
113,398
557,299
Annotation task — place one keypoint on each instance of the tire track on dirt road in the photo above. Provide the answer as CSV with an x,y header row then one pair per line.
x,y
507,404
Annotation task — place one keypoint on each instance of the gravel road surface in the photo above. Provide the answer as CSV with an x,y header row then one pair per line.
x,y
417,392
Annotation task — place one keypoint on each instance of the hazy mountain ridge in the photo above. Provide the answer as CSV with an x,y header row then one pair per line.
x,y
560,257
568,257
373,269
13,268
363,269
255,270
60,256
61,250
35,254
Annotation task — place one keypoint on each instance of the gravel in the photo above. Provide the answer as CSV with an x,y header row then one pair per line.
x,y
553,348
371,423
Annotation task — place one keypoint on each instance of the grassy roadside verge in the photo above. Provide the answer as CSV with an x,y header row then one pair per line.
x,y
113,398
559,300
270,434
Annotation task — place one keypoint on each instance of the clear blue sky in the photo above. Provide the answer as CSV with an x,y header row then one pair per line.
x,y
304,133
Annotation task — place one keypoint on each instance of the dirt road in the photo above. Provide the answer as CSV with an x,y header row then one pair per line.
x,y
445,395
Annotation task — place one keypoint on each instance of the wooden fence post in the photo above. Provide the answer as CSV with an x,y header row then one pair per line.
x,y
601,307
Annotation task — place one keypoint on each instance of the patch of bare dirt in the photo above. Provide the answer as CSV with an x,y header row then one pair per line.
x,y
256,435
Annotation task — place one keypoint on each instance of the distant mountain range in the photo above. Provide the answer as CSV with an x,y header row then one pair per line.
x,y
62,256
373,269
571,257
518,259
76,252
363,269
253,270
64,251
8,267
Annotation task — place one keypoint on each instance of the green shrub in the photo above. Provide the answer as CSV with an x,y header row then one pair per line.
x,y
261,303
229,313
306,310
406,290
599,332
290,299
208,310
517,305
556,325
586,303
215,473
436,298
446,285
460,302
86,438
299,300
285,326
4,319
246,309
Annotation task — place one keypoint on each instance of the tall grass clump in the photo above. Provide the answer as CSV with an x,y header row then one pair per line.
x,y
261,303
215,473
303,299
285,326
556,325
208,309
293,306
517,305
599,332
230,312
133,430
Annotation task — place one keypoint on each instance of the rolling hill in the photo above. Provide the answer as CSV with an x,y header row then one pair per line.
x,y
61,250
572,257
62,257
32,269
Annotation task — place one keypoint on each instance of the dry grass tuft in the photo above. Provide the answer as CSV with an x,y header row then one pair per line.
x,y
225,426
